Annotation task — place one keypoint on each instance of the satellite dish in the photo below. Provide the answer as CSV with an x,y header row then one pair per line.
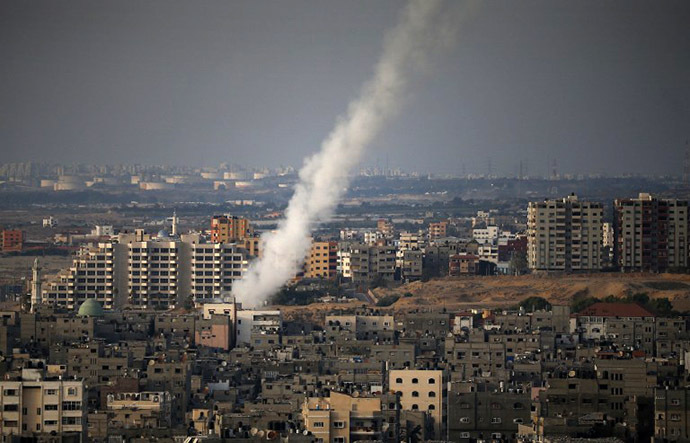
x,y
152,362
260,434
253,431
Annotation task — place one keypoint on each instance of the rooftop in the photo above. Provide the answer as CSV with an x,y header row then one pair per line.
x,y
616,310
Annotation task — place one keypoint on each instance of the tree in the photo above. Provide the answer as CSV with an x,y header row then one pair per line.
x,y
518,263
532,304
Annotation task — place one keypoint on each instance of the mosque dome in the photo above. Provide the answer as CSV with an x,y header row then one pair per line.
x,y
163,234
90,308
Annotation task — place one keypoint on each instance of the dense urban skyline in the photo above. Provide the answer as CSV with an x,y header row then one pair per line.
x,y
600,88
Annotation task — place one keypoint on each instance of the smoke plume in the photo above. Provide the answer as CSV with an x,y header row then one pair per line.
x,y
324,176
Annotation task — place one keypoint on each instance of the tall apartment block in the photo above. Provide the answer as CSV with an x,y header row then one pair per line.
x,y
564,235
229,229
90,276
215,267
323,260
153,273
651,234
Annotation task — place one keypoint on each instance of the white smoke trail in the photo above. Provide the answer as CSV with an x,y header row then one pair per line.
x,y
324,176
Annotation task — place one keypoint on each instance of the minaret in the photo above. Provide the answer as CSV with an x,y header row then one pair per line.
x,y
174,224
36,286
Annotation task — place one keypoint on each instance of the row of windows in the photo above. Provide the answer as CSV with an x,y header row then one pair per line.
x,y
431,381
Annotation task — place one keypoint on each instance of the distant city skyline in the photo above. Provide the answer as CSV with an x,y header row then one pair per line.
x,y
601,88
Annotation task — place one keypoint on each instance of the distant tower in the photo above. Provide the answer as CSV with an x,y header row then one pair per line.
x,y
36,286
174,224
554,169
520,176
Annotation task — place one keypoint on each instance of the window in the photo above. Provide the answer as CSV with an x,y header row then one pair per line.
x,y
432,407
432,381
9,392
496,420
398,380
415,407
415,394
318,424
12,408
51,391
51,407
415,380
339,424
71,391
71,406
71,420
432,394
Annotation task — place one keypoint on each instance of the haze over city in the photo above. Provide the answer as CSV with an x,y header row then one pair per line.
x,y
599,87
307,221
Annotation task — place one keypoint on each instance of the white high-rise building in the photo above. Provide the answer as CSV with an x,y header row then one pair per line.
x,y
215,267
153,273
90,276
564,235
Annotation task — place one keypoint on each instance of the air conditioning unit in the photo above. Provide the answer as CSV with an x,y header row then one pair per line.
x,y
465,420
464,435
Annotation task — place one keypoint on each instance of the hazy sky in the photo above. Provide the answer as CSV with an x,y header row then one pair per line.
x,y
600,86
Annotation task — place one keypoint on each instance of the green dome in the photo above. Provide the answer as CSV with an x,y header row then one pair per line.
x,y
90,308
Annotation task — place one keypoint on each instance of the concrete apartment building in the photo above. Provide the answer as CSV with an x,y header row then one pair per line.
x,y
322,261
344,260
564,235
11,240
364,327
486,412
154,273
412,264
342,418
92,275
214,269
672,414
651,234
246,322
627,323
230,229
386,228
438,230
368,263
463,264
422,390
139,410
36,406
411,241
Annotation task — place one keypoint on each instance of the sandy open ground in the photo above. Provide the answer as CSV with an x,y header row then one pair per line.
x,y
457,293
